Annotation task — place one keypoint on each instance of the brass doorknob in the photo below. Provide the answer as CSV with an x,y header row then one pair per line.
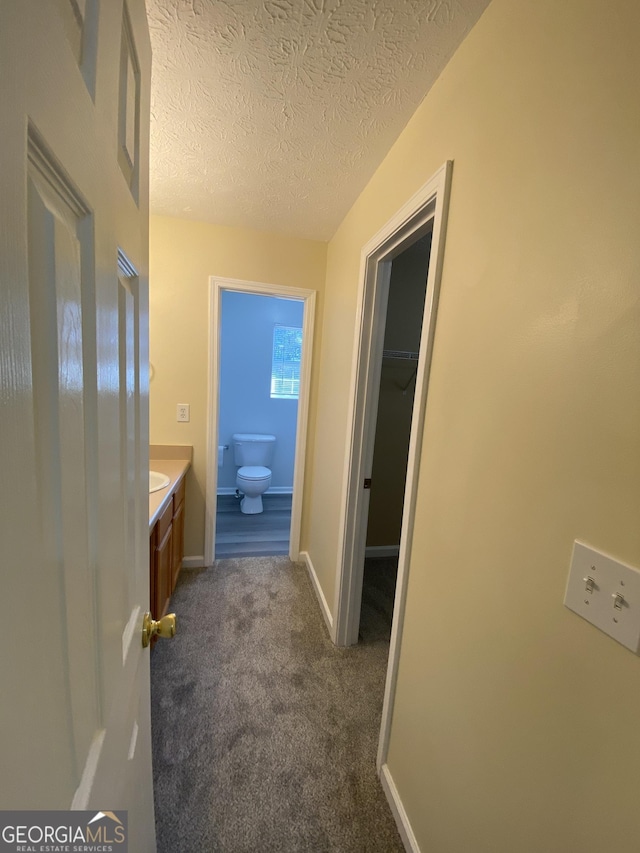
x,y
165,627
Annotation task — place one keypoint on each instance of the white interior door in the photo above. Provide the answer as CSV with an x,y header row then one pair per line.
x,y
74,108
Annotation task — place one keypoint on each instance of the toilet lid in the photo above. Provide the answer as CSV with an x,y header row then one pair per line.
x,y
254,472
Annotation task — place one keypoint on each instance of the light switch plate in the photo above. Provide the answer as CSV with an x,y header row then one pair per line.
x,y
608,579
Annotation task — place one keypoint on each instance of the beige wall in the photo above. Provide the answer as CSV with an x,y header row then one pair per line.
x,y
183,254
516,723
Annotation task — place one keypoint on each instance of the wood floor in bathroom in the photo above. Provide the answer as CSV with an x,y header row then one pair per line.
x,y
260,535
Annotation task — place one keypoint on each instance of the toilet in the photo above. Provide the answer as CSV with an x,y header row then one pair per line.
x,y
253,453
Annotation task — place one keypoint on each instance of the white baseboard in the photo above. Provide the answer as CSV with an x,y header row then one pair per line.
x,y
272,490
322,601
193,562
399,814
382,550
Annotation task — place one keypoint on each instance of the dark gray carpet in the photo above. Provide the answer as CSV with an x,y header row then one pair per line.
x,y
264,733
378,594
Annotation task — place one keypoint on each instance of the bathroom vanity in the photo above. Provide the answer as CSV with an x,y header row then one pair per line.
x,y
166,524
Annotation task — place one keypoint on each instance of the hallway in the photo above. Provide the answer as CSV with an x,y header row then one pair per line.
x,y
264,733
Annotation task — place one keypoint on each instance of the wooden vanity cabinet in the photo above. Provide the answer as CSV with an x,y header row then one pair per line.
x,y
166,552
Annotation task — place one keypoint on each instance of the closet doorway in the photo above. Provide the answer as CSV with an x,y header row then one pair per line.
x,y
425,213
396,390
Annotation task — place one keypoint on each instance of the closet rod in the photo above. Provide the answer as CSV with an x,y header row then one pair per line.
x,y
400,354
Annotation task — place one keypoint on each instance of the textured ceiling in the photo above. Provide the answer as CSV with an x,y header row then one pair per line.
x,y
273,114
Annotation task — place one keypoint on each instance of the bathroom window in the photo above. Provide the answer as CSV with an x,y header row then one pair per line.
x,y
285,364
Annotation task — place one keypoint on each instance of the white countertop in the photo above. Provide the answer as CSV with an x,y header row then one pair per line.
x,y
175,469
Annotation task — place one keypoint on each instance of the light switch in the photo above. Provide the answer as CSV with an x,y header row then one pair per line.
x,y
184,412
606,593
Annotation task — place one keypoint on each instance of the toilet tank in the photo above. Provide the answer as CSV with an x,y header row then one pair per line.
x,y
251,448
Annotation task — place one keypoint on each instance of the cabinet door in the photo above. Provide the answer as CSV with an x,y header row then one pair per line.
x,y
163,573
152,573
177,547
162,562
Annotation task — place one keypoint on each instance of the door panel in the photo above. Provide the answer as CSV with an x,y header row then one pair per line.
x,y
75,723
59,238
129,361
129,106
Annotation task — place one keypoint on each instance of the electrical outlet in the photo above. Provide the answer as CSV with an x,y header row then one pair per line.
x,y
184,413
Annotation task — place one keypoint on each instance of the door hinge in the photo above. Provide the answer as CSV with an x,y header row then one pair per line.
x,y
367,482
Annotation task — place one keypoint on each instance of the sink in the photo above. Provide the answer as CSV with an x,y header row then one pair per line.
x,y
157,481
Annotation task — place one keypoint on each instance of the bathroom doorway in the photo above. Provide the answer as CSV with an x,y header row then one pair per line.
x,y
257,333
260,348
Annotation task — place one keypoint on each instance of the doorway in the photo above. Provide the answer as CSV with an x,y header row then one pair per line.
x,y
232,350
401,346
260,348
426,212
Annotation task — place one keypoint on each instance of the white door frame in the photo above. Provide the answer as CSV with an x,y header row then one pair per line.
x,y
308,297
426,210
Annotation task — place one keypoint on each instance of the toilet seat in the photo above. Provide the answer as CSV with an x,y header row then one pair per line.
x,y
254,472
252,482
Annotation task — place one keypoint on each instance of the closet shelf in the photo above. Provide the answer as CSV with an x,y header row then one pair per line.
x,y
399,355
